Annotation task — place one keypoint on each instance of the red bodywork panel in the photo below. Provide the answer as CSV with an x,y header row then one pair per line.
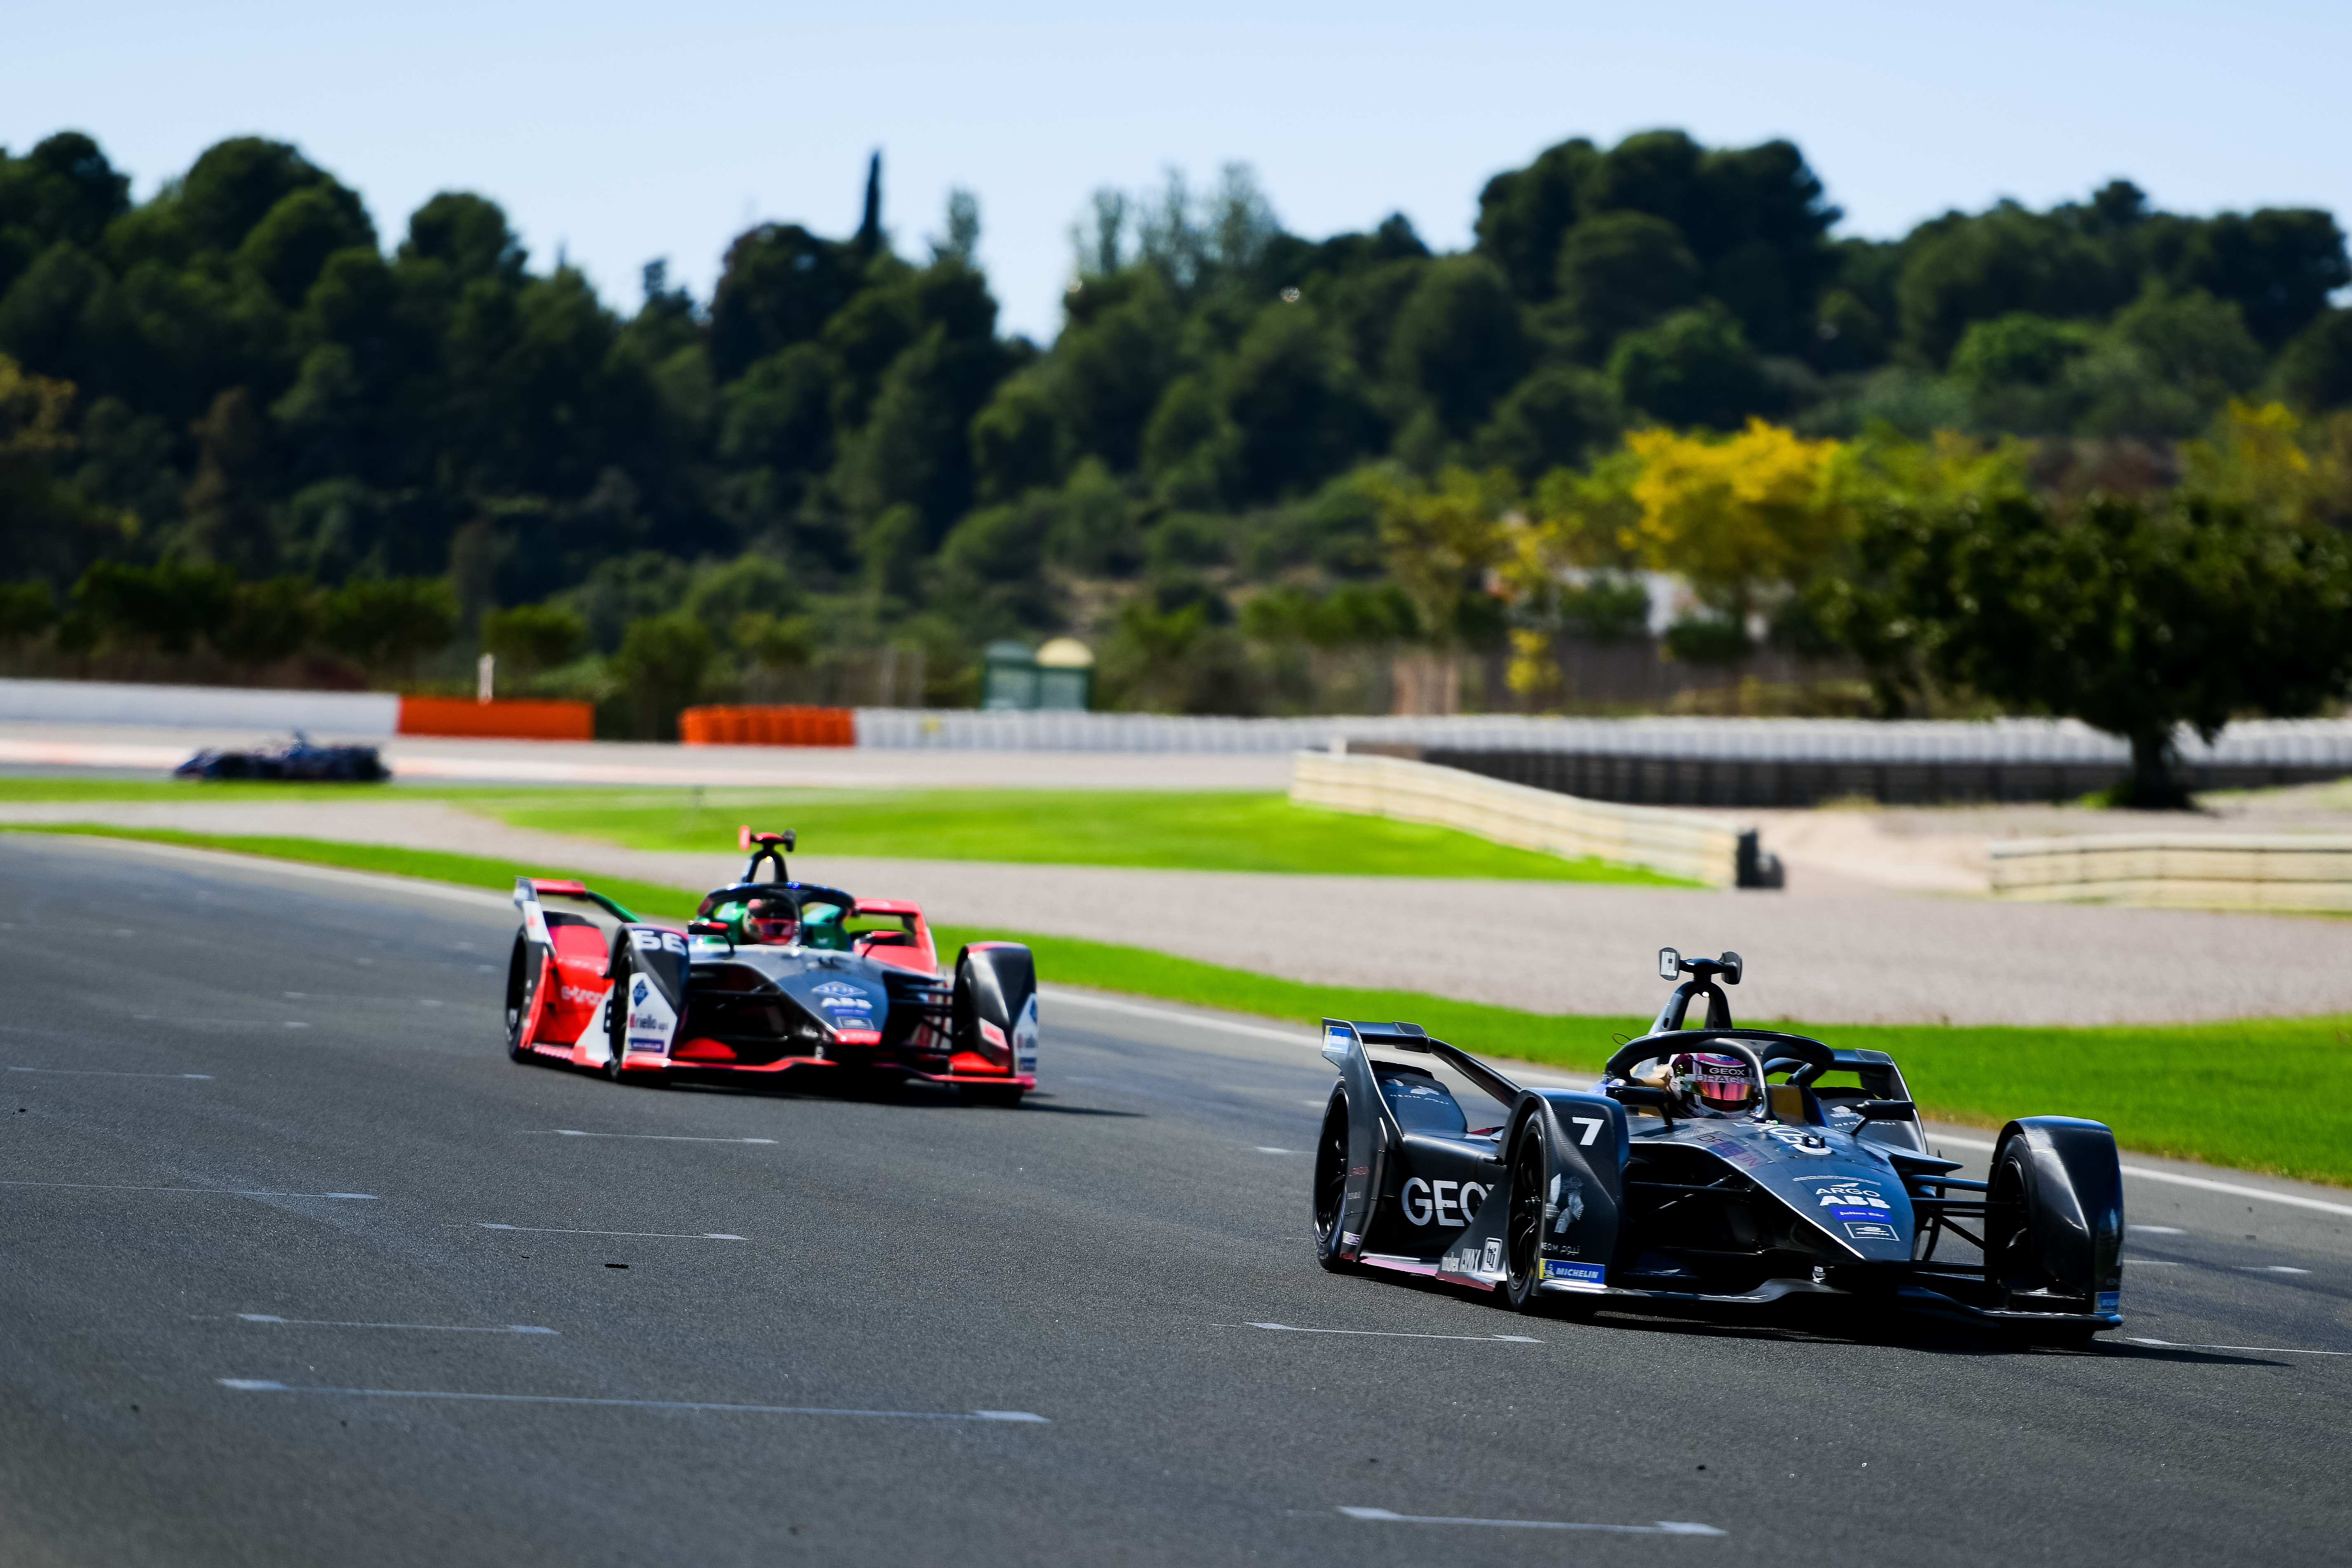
x,y
908,949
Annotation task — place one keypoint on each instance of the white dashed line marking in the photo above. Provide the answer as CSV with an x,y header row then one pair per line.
x,y
1265,1150
653,1137
1398,1334
1663,1526
2149,1263
648,1234
2159,1229
2270,1268
209,1192
436,1328
270,1385
2257,1350
93,1072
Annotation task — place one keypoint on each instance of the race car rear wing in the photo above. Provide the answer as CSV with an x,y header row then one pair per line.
x,y
528,890
1338,1034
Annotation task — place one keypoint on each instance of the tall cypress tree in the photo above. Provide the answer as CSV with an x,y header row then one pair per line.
x,y
869,229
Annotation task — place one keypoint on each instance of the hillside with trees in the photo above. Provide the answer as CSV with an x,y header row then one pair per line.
x,y
247,435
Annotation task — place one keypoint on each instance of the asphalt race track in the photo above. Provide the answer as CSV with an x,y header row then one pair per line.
x,y
573,1322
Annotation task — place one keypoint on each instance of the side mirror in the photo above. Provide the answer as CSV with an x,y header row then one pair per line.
x,y
1732,965
1670,963
712,929
1883,1109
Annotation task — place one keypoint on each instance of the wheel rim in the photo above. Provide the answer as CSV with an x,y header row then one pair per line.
x,y
1331,1175
1523,1238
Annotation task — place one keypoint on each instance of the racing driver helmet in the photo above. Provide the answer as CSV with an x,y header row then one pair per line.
x,y
772,923
1712,1084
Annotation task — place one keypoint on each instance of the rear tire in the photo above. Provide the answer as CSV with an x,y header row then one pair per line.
x,y
1330,1189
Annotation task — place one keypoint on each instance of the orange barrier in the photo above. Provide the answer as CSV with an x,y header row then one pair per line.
x,y
767,724
498,720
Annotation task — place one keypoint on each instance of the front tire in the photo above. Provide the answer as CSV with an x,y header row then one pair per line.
x,y
1523,1226
517,971
1331,1185
623,969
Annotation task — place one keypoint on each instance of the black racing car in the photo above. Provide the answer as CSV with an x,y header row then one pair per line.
x,y
297,761
1709,1165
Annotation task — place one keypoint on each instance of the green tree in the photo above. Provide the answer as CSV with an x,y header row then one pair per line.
x,y
662,662
385,624
2137,618
1461,342
529,639
1621,271
267,621
1696,367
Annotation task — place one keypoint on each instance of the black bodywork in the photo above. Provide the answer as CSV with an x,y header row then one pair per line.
x,y
1614,1194
297,762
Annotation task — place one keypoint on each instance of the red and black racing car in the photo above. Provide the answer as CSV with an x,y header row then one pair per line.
x,y
772,981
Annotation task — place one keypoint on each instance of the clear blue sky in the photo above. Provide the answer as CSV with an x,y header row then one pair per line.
x,y
626,133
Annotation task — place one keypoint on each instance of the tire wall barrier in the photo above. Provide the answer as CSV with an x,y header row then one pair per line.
x,y
768,724
502,720
2179,870
1677,843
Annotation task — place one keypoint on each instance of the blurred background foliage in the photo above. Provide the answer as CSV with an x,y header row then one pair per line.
x,y
1657,418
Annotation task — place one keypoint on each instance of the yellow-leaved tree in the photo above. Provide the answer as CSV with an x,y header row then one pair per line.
x,y
1739,516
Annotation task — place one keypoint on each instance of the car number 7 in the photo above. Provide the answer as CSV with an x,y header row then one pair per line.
x,y
1591,1125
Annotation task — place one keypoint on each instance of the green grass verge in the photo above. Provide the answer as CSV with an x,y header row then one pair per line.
x,y
1180,831
2225,1092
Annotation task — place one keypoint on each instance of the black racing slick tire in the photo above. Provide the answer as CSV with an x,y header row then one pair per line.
x,y
516,989
2009,1267
1522,1285
621,968
1331,1185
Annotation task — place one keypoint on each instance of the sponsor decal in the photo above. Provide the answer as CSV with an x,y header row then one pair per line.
x,y
583,995
991,1034
1798,1143
1025,1038
837,988
2110,1300
1592,1276
1566,1204
1448,1202
1871,1230
1851,1200
637,992
1479,1262
846,1004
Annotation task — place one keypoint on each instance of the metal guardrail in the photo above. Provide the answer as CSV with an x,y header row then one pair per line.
x,y
1677,843
2179,870
2314,744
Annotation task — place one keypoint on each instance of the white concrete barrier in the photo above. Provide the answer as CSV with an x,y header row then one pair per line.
x,y
1678,842
2179,870
351,713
